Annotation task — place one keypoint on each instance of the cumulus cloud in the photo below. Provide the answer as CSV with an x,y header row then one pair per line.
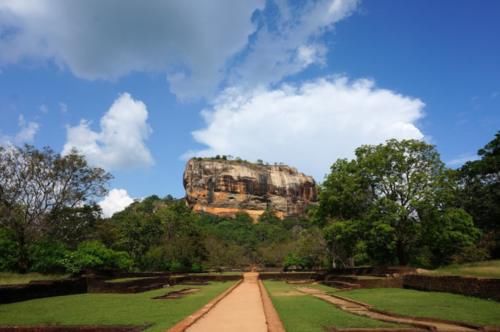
x,y
190,40
26,134
120,143
307,126
115,201
199,45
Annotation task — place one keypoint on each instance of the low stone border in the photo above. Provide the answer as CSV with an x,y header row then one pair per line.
x,y
44,288
487,288
273,321
193,318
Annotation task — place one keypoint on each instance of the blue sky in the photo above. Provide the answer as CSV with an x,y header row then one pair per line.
x,y
139,87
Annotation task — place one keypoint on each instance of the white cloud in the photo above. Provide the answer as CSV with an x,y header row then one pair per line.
x,y
26,134
115,201
120,143
199,45
108,39
307,126
292,41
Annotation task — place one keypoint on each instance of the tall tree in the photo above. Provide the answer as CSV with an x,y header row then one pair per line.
x,y
37,183
390,188
480,180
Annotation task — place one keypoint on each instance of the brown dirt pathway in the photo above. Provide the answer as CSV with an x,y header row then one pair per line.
x,y
365,310
240,311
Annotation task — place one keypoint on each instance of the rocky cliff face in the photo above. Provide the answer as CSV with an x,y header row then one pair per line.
x,y
224,187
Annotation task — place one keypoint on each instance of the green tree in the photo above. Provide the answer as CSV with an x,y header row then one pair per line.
x,y
390,189
451,235
94,255
37,183
342,239
402,175
345,193
480,194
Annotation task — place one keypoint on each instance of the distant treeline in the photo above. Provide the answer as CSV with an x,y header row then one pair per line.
x,y
395,203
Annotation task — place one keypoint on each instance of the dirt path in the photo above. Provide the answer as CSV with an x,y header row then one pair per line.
x,y
363,310
240,311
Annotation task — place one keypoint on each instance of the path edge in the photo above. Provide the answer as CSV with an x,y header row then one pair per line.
x,y
193,318
273,320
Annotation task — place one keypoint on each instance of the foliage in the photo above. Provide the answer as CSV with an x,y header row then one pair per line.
x,y
48,256
396,201
480,196
94,255
37,183
449,234
8,249
345,193
342,238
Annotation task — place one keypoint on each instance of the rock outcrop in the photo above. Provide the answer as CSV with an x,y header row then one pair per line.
x,y
226,187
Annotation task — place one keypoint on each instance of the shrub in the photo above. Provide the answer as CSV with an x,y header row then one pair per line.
x,y
195,267
177,266
8,251
94,255
47,257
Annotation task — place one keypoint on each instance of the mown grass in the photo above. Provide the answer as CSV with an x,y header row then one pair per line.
x,y
321,287
119,280
225,273
430,304
7,278
111,309
486,269
304,313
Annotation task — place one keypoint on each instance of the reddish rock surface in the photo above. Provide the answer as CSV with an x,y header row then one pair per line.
x,y
226,187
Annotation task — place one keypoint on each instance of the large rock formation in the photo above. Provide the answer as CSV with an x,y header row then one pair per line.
x,y
225,187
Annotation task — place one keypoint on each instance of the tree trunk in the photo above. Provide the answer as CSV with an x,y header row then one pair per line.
x,y
401,253
22,258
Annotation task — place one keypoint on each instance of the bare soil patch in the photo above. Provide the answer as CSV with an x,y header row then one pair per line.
x,y
177,294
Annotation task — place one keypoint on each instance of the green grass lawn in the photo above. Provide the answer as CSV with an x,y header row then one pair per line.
x,y
7,278
304,313
111,309
430,304
487,269
225,273
118,280
321,287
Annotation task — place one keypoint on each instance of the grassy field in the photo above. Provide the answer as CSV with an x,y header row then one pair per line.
x,y
118,280
226,273
111,309
487,269
304,313
430,304
7,278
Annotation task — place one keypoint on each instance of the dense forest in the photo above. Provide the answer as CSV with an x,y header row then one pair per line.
x,y
394,203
